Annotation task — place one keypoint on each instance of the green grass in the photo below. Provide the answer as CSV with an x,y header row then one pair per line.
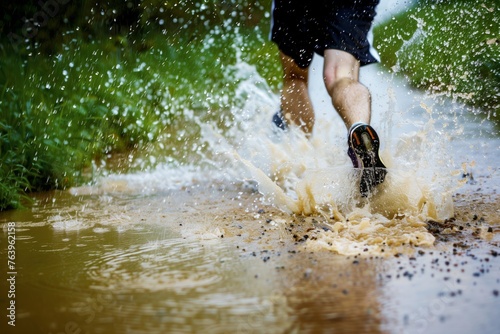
x,y
108,95
450,48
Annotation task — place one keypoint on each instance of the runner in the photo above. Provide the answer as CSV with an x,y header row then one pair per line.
x,y
338,31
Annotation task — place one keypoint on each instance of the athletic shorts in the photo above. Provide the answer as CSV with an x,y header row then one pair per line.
x,y
300,28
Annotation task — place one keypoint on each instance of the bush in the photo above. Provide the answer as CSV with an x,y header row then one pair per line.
x,y
115,79
448,47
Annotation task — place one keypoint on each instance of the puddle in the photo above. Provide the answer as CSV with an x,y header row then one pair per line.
x,y
219,260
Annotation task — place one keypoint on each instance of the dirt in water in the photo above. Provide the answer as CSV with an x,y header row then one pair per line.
x,y
216,258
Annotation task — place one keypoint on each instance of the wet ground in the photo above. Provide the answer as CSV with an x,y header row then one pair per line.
x,y
215,259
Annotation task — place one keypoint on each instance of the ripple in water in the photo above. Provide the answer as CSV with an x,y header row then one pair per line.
x,y
173,264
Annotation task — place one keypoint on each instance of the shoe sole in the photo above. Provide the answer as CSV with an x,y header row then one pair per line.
x,y
365,143
279,121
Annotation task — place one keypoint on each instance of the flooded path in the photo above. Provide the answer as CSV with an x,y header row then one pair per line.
x,y
215,259
187,251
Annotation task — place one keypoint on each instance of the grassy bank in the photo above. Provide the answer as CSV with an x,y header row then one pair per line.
x,y
450,48
86,97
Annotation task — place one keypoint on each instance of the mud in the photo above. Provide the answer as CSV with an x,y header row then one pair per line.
x,y
216,258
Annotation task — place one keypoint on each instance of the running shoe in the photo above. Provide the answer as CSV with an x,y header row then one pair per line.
x,y
279,120
363,150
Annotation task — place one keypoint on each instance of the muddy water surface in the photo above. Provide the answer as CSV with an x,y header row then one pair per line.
x,y
216,259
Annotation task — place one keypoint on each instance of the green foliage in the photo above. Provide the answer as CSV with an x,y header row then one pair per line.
x,y
448,47
114,79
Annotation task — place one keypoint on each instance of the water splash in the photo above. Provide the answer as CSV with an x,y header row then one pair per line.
x,y
313,176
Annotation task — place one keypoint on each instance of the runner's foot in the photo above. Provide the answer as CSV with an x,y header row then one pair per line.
x,y
363,150
279,120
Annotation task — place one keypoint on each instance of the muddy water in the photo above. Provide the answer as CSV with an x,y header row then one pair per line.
x,y
214,258
273,237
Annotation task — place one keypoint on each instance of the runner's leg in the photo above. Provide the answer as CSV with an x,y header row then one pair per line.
x,y
351,99
295,102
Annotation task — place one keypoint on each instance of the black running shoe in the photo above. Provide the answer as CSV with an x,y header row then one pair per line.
x,y
279,120
363,150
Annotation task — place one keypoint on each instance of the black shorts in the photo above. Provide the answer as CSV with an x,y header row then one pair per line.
x,y
300,28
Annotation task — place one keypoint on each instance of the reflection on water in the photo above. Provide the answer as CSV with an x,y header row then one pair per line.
x,y
335,295
159,265
147,278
